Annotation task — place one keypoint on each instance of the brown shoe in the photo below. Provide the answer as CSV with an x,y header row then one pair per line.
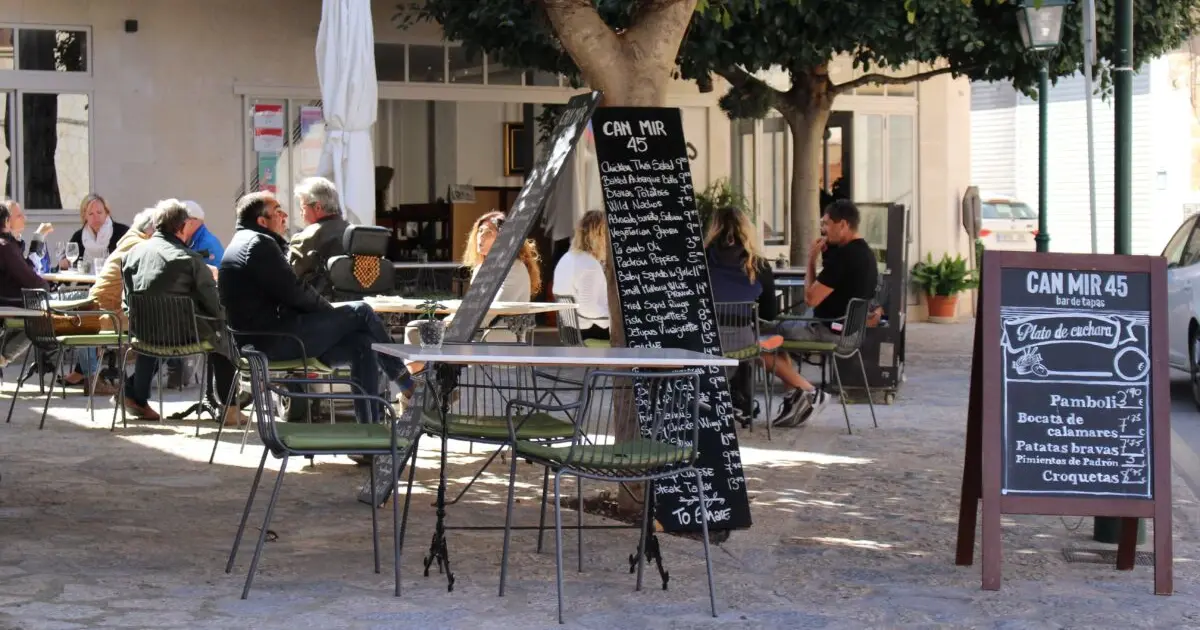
x,y
140,412
102,388
234,417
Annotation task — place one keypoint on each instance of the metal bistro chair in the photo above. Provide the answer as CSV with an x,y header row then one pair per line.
x,y
166,327
45,341
670,401
848,346
569,333
301,367
396,437
737,323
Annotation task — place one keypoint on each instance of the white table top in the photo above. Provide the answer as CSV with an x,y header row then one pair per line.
x,y
388,304
70,276
789,281
789,271
16,311
497,354
427,265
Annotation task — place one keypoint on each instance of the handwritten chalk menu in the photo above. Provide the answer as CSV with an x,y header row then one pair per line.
x,y
520,220
1076,382
490,275
1069,409
666,301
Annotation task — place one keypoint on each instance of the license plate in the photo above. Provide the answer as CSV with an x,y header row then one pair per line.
x,y
1010,237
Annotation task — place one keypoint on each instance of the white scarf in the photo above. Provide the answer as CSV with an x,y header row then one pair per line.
x,y
96,245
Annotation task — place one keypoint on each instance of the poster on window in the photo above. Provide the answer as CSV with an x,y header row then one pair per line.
x,y
268,140
310,117
268,168
268,116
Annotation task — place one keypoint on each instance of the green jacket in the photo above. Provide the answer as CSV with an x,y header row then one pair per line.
x,y
163,265
310,250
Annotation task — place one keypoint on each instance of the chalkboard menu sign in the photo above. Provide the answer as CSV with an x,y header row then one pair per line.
x,y
1076,382
1069,407
663,287
490,275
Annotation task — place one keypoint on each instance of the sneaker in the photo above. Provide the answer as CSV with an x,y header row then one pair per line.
x,y
820,398
795,403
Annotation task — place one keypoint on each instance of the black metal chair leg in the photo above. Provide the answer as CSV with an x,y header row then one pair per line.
x,y
237,539
17,391
375,518
230,400
50,394
870,399
842,395
478,474
579,525
262,535
558,542
398,543
542,519
642,536
508,511
712,592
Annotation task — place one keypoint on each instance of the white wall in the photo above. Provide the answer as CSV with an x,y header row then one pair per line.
x,y
480,143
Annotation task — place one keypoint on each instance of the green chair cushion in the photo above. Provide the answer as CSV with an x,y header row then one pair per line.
x,y
336,437
808,346
173,351
14,322
597,343
742,354
90,341
538,426
625,456
296,365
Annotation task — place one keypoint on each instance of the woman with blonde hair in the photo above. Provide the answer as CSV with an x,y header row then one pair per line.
x,y
99,235
524,279
580,275
738,274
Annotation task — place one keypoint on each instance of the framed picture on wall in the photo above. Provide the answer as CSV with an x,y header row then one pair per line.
x,y
515,151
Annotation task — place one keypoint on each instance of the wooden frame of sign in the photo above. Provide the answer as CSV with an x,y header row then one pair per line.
x,y
1069,408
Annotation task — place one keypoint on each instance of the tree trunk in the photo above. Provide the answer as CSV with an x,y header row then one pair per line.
x,y
632,69
806,109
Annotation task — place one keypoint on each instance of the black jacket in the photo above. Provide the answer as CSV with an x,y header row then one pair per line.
x,y
15,272
259,289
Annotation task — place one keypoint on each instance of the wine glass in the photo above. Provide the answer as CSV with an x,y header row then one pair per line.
x,y
72,253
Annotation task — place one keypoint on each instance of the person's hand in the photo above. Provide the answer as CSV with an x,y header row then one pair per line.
x,y
818,247
45,228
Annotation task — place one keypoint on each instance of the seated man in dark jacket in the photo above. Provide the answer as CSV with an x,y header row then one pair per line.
x,y
164,266
321,239
262,294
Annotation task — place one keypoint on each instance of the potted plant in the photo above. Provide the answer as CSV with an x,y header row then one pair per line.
x,y
942,281
431,329
720,194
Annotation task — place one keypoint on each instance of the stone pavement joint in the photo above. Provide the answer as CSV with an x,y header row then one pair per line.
x,y
131,529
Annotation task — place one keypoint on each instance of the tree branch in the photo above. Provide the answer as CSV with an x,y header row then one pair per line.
x,y
659,28
583,33
884,79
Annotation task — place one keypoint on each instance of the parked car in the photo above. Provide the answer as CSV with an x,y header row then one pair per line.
x,y
1008,224
1183,301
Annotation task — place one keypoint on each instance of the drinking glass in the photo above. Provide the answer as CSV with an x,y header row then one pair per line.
x,y
72,253
97,266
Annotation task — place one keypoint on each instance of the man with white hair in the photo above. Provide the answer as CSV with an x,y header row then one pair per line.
x,y
321,239
200,240
35,249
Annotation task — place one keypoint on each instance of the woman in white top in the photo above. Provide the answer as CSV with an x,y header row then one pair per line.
x,y
580,274
524,279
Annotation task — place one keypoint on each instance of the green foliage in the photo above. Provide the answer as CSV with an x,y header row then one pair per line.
x,y
720,194
949,276
429,309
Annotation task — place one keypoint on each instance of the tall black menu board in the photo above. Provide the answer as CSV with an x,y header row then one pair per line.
x,y
1076,383
666,301
490,275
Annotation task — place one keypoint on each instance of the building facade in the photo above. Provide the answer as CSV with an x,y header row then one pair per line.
x,y
204,99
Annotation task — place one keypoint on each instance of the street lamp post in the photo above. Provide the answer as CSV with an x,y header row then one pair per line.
x,y
1040,23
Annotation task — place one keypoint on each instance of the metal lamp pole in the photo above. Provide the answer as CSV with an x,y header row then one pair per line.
x,y
1042,239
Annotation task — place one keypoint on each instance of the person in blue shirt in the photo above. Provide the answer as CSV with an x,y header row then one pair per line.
x,y
201,240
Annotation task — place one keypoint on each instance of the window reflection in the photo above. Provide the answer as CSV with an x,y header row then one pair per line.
x,y
51,50
427,64
465,68
6,49
56,162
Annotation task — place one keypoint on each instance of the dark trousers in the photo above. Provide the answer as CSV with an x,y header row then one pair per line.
x,y
343,336
137,387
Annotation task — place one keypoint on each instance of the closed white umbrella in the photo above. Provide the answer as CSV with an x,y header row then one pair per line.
x,y
350,96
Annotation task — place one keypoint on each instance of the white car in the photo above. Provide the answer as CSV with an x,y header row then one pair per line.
x,y
1008,224
1183,301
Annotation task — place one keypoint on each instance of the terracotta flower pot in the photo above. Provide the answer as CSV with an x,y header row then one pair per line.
x,y
942,308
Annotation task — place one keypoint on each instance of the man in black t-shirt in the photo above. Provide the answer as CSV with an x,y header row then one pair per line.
x,y
849,271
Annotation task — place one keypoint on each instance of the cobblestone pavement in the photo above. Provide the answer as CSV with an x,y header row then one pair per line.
x,y
130,530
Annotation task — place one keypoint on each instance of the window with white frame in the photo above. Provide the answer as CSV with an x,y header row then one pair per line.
x,y
45,119
451,63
